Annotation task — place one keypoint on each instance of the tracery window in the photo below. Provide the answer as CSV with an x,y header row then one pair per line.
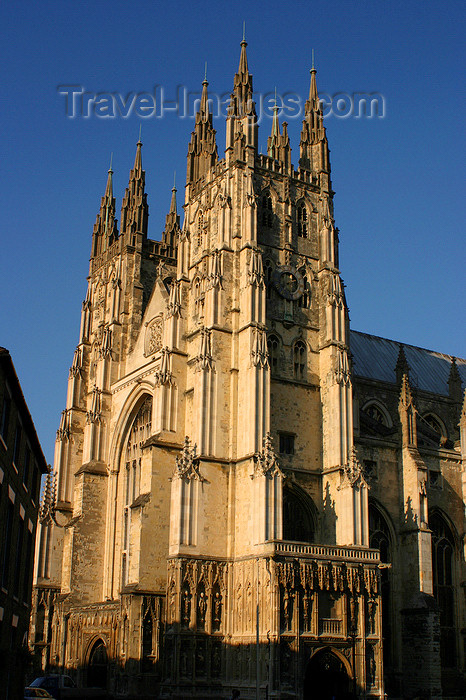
x,y
374,412
380,538
299,360
267,211
138,433
443,548
301,215
273,347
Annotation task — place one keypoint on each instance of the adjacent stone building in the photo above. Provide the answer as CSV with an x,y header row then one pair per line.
x,y
21,465
246,495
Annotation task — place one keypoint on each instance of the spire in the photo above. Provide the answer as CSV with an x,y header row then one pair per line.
x,y
243,59
204,108
109,188
313,145
202,149
105,228
173,200
138,158
272,141
134,208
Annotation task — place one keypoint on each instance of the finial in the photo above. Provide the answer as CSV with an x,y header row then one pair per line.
x,y
111,161
174,180
140,128
312,60
205,72
244,31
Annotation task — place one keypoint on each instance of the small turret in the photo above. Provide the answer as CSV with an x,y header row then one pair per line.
x,y
202,150
278,145
241,129
313,145
172,226
134,209
105,228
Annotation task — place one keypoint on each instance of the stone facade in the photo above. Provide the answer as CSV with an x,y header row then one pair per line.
x,y
228,505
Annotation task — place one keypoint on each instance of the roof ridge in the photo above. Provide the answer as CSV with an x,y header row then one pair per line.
x,y
408,345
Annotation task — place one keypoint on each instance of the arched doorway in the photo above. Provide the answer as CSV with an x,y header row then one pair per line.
x,y
326,677
97,668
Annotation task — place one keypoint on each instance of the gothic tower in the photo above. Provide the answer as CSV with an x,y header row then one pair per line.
x,y
209,527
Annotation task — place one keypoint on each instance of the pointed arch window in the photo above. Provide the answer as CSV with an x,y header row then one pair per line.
x,y
298,520
267,211
148,635
138,433
305,298
299,360
301,215
443,549
273,346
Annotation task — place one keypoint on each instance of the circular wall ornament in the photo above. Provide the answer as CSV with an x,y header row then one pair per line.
x,y
288,282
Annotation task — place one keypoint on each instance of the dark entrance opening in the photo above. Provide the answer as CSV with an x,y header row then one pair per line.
x,y
98,666
326,678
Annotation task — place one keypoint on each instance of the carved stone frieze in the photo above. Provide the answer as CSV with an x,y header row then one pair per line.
x,y
153,338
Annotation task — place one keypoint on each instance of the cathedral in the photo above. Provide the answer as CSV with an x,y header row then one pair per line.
x,y
247,496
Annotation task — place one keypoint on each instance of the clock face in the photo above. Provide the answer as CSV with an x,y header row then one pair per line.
x,y
288,282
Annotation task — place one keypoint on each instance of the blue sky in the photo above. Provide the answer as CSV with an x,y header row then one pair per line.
x,y
398,180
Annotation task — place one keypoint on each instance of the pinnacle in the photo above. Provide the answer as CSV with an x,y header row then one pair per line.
x,y
173,201
313,96
109,187
204,107
138,158
243,60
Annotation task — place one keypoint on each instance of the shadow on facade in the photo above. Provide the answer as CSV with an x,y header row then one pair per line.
x,y
197,665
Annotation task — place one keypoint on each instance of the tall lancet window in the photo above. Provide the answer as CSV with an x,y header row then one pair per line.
x,y
137,434
301,215
443,549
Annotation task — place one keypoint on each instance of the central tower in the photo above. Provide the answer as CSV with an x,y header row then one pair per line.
x,y
206,451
